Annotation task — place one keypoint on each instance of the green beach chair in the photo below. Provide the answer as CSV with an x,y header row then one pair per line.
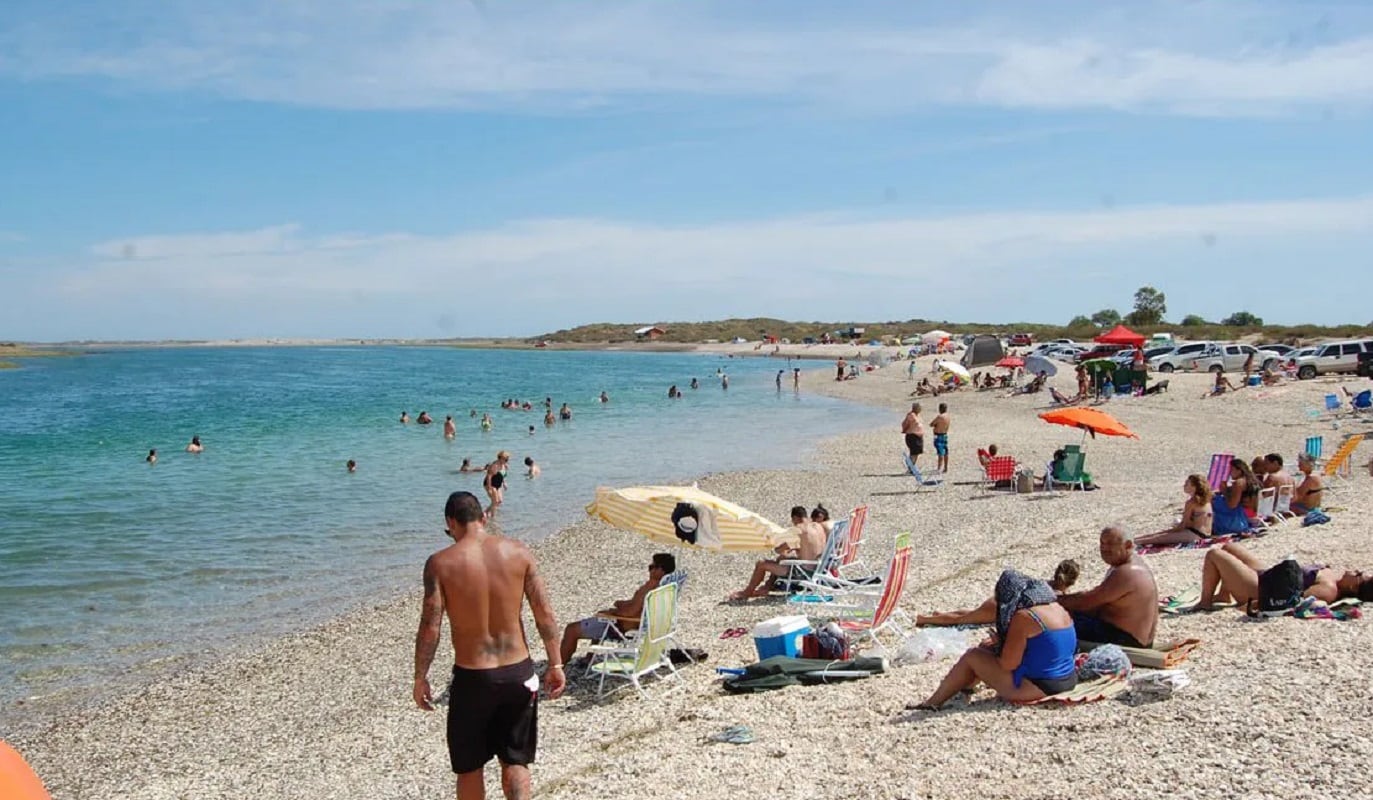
x,y
1070,471
644,654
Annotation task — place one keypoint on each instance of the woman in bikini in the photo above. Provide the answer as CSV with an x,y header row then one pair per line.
x,y
1229,508
1309,493
1195,523
1231,573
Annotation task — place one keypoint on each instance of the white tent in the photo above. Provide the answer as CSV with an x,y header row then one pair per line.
x,y
935,337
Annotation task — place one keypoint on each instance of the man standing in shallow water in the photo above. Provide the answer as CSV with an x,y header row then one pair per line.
x,y
494,695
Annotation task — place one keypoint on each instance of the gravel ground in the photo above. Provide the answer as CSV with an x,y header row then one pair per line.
x,y
1276,709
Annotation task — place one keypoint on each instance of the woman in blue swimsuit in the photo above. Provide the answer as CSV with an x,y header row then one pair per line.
x,y
1031,653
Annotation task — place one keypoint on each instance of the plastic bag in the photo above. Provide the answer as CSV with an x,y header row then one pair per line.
x,y
933,644
1158,684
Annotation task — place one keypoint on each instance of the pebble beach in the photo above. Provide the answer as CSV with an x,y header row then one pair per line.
x,y
1276,708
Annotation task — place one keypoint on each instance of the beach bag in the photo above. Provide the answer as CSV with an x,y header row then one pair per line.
x,y
828,642
686,521
1279,590
1104,661
1024,481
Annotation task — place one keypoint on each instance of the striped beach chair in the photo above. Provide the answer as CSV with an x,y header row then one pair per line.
x,y
1314,446
867,623
1219,474
647,653
1341,463
850,562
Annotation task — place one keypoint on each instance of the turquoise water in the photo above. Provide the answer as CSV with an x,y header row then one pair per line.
x,y
108,564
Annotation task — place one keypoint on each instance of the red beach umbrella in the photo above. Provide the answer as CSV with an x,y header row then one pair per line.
x,y
1010,362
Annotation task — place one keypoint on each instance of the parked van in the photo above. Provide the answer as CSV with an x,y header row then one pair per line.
x,y
1333,357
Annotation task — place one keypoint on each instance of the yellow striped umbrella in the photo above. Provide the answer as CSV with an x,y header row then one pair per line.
x,y
647,511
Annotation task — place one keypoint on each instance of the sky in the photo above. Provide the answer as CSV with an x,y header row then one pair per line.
x,y
175,169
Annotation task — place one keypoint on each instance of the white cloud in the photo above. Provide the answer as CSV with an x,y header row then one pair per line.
x,y
528,277
1208,59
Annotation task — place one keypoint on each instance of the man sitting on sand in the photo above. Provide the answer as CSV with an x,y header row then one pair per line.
x,y
623,615
1123,609
766,572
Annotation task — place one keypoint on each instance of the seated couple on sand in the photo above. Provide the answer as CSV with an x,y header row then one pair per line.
x,y
1122,610
622,616
1231,574
810,535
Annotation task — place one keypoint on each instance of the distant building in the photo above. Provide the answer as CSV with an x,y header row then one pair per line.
x,y
650,333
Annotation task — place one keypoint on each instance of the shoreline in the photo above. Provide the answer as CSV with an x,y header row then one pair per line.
x,y
327,711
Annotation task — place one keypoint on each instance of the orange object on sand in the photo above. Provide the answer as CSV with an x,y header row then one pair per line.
x,y
1088,419
17,779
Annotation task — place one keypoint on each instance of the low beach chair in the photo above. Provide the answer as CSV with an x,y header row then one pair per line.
x,y
866,614
645,654
801,571
850,562
1314,446
1268,503
1332,403
1000,469
1219,474
1361,402
1340,463
915,471
622,629
1282,507
1071,471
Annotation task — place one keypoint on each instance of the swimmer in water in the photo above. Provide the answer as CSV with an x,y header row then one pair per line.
x,y
672,391
565,412
486,422
352,465
695,384
494,482
152,457
404,418
549,419
424,418
531,430
724,381
605,398
450,430
466,466
533,470
195,446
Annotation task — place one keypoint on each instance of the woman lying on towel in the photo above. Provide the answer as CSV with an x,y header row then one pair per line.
x,y
1065,575
1195,523
1232,573
1031,654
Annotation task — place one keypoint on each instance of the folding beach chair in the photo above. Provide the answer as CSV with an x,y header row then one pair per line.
x,y
621,628
1071,470
1219,474
1282,506
1314,445
1332,403
1340,463
999,469
915,471
850,563
1268,503
1361,402
868,613
636,659
800,570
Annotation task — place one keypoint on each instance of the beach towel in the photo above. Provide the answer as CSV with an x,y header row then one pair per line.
x,y
1340,610
1146,549
1163,656
1084,692
1315,517
1179,603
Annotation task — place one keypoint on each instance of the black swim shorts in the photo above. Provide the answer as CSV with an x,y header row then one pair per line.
x,y
915,444
493,712
1099,631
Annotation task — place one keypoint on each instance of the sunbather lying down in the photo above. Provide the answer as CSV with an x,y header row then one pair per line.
x,y
1232,573
1065,575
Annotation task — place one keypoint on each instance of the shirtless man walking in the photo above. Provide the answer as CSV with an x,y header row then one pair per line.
x,y
940,426
1123,610
914,430
481,581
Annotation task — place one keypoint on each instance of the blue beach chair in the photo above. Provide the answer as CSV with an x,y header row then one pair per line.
x,y
915,471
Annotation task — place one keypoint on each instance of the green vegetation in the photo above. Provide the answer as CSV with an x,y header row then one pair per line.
x,y
12,350
1150,306
1243,319
1081,328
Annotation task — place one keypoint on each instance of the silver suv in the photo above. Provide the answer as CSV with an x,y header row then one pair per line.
x,y
1333,357
1179,357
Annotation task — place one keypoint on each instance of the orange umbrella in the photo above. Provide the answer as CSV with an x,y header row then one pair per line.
x,y
1010,362
1090,420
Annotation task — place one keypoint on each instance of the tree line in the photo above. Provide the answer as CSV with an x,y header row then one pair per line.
x,y
1150,306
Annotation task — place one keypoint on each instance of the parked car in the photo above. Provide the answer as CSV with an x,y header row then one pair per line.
x,y
1177,357
1020,339
1280,349
1331,358
1062,352
1101,351
1228,358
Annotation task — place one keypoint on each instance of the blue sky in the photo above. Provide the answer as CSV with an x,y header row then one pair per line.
x,y
299,168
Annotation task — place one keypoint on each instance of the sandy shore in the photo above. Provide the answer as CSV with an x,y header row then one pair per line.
x,y
327,714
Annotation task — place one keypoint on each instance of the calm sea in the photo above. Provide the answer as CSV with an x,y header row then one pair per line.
x,y
109,565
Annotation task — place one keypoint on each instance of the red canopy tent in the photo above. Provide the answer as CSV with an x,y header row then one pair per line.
x,y
1121,335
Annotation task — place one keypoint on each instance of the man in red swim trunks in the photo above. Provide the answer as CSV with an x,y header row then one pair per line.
x,y
494,697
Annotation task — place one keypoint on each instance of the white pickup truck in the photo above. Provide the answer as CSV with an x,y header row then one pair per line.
x,y
1231,358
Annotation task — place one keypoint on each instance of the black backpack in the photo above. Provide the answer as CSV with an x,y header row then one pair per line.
x,y
1280,590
